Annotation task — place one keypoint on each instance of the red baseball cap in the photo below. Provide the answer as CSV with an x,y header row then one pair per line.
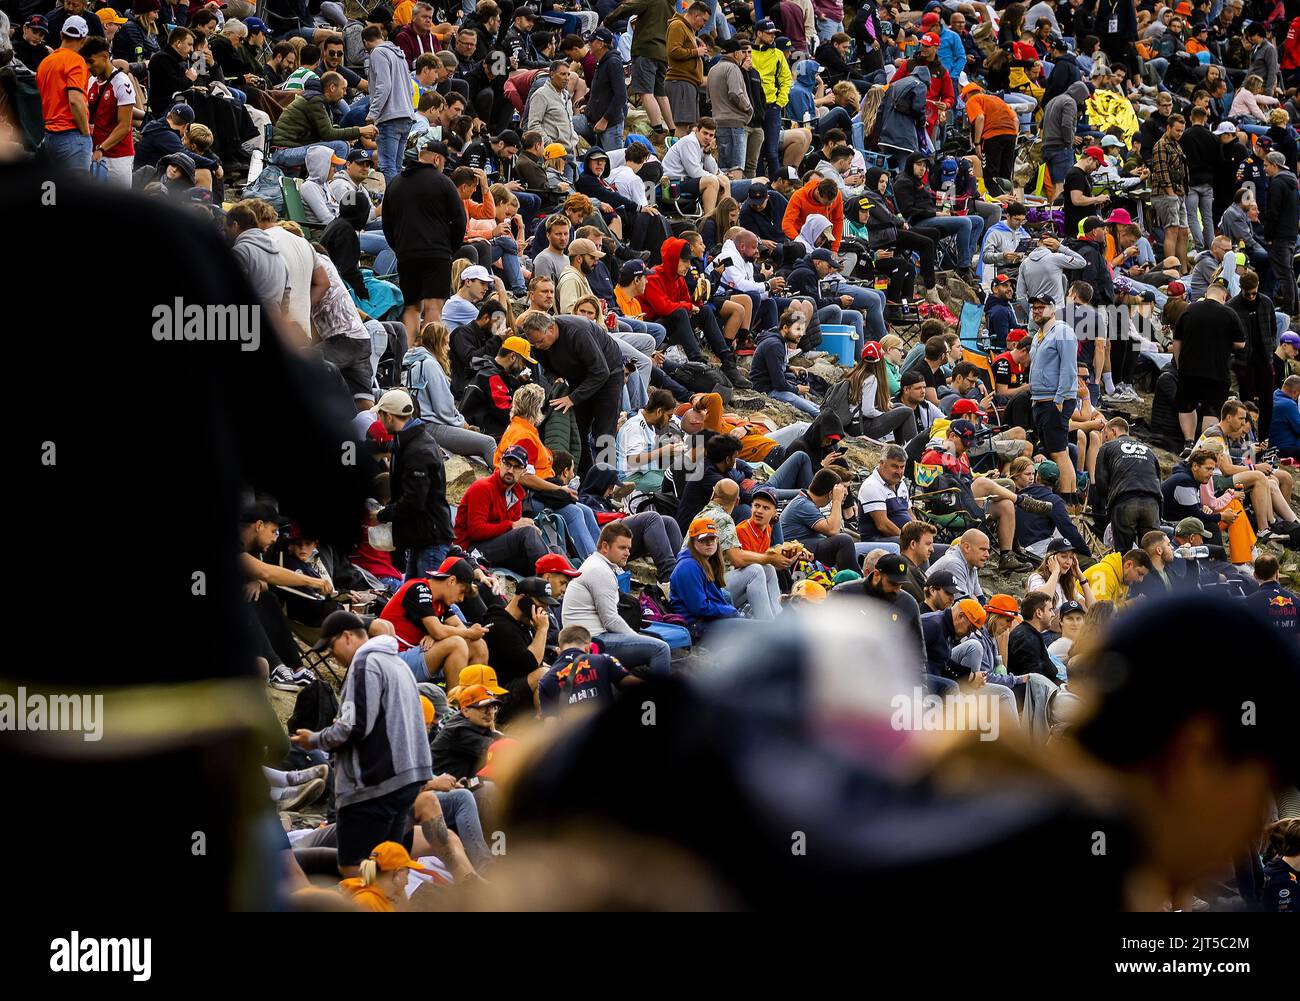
x,y
964,406
930,39
1016,335
555,563
1096,152
1024,52
1002,280
1175,288
930,19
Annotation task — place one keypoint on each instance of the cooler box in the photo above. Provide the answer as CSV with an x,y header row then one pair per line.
x,y
839,339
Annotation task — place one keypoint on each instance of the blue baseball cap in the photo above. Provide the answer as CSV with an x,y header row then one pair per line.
x,y
631,270
515,453
256,24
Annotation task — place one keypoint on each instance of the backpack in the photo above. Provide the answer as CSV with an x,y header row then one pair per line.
x,y
700,378
629,610
654,609
267,188
555,536
315,708
836,401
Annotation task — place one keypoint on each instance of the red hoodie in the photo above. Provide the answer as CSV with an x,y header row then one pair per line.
x,y
665,289
483,514
1291,47
941,88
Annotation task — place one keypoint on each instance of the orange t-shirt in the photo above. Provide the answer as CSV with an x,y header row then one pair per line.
x,y
999,119
61,71
751,539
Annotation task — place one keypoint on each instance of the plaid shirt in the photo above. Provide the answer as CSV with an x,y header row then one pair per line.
x,y
1168,167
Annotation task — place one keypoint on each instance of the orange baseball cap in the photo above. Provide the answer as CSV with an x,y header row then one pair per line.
x,y
471,696
1003,604
426,707
481,676
499,754
701,527
973,611
389,856
809,590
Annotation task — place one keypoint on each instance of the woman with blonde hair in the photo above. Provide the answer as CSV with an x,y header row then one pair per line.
x,y
382,883
426,371
892,346
870,407
525,416
698,581
1253,105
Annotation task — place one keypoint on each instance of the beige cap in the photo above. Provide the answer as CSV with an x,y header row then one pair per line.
x,y
579,247
396,402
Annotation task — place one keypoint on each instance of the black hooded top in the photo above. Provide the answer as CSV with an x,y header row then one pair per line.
x,y
823,425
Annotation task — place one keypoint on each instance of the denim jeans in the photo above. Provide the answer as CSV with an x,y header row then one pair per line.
x,y
731,148
583,530
423,562
872,306
391,143
1200,202
772,140
529,206
372,244
611,138
966,228
656,330
756,586
357,112
718,25
513,270
460,810
793,475
649,652
69,149
826,27
296,156
860,549
798,402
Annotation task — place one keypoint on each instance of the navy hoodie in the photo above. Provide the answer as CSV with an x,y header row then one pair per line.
x,y
768,365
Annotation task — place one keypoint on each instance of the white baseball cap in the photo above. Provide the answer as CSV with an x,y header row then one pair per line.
x,y
1224,129
75,27
475,273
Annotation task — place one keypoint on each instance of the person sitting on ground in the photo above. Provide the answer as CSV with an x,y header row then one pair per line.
x,y
516,640
697,583
490,517
461,746
1111,576
751,576
493,383
432,640
579,677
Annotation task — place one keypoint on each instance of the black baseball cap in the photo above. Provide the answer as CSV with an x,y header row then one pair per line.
x,y
1045,300
826,255
527,10
892,568
1071,608
538,589
757,192
1059,545
361,156
261,511
964,430
1093,222
767,493
734,44
335,624
942,579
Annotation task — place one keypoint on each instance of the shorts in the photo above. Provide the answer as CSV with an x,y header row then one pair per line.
x,y
1204,396
1052,426
684,99
351,356
1007,448
649,76
362,826
689,186
731,147
1221,483
414,658
426,278
1169,210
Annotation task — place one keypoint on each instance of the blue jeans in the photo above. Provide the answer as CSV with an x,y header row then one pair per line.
x,y
826,27
796,401
357,112
1059,162
296,156
372,243
529,206
860,549
460,810
423,562
793,475
391,143
731,148
583,530
718,25
967,229
656,330
772,140
872,306
649,652
69,149
611,138
514,272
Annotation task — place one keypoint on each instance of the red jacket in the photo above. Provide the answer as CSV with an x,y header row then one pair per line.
x,y
1291,47
482,513
665,289
940,88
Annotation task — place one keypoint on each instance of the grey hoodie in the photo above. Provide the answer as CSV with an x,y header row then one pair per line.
x,y
429,385
390,85
259,258
903,110
729,95
1236,226
1061,116
1042,273
319,202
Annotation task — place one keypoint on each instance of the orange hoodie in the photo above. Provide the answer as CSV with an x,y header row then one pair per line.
x,y
481,217
366,897
802,206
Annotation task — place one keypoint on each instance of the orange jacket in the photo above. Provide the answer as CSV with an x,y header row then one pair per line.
x,y
481,217
802,206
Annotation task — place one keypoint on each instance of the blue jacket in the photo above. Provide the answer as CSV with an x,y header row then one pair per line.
x,y
940,636
951,52
902,111
1284,431
1031,528
694,596
768,365
1001,319
1181,497
1054,364
800,101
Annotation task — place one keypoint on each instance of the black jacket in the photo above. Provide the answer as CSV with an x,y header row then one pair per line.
x,y
166,79
1281,216
460,748
1203,151
423,214
1127,467
488,393
584,355
1027,653
901,608
915,199
418,511
1259,321
1065,71
1095,271
608,94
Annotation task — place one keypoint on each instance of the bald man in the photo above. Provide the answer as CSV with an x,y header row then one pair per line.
x,y
751,577
964,561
